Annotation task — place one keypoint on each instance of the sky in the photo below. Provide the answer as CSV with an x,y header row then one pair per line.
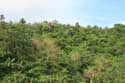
x,y
86,12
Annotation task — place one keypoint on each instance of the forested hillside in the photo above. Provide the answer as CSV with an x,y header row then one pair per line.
x,y
51,52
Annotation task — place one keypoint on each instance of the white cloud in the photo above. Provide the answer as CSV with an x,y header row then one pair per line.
x,y
46,4
32,5
14,4
15,9
50,6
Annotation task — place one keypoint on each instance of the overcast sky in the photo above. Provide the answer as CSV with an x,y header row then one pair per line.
x,y
93,12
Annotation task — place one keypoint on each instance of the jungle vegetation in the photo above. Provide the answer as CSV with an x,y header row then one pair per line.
x,y
51,52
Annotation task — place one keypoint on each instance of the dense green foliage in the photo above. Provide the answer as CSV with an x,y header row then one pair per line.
x,y
50,52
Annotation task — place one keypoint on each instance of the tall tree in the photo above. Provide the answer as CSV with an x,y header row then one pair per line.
x,y
2,18
22,20
77,24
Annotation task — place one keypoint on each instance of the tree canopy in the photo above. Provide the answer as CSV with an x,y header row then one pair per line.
x,y
51,52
